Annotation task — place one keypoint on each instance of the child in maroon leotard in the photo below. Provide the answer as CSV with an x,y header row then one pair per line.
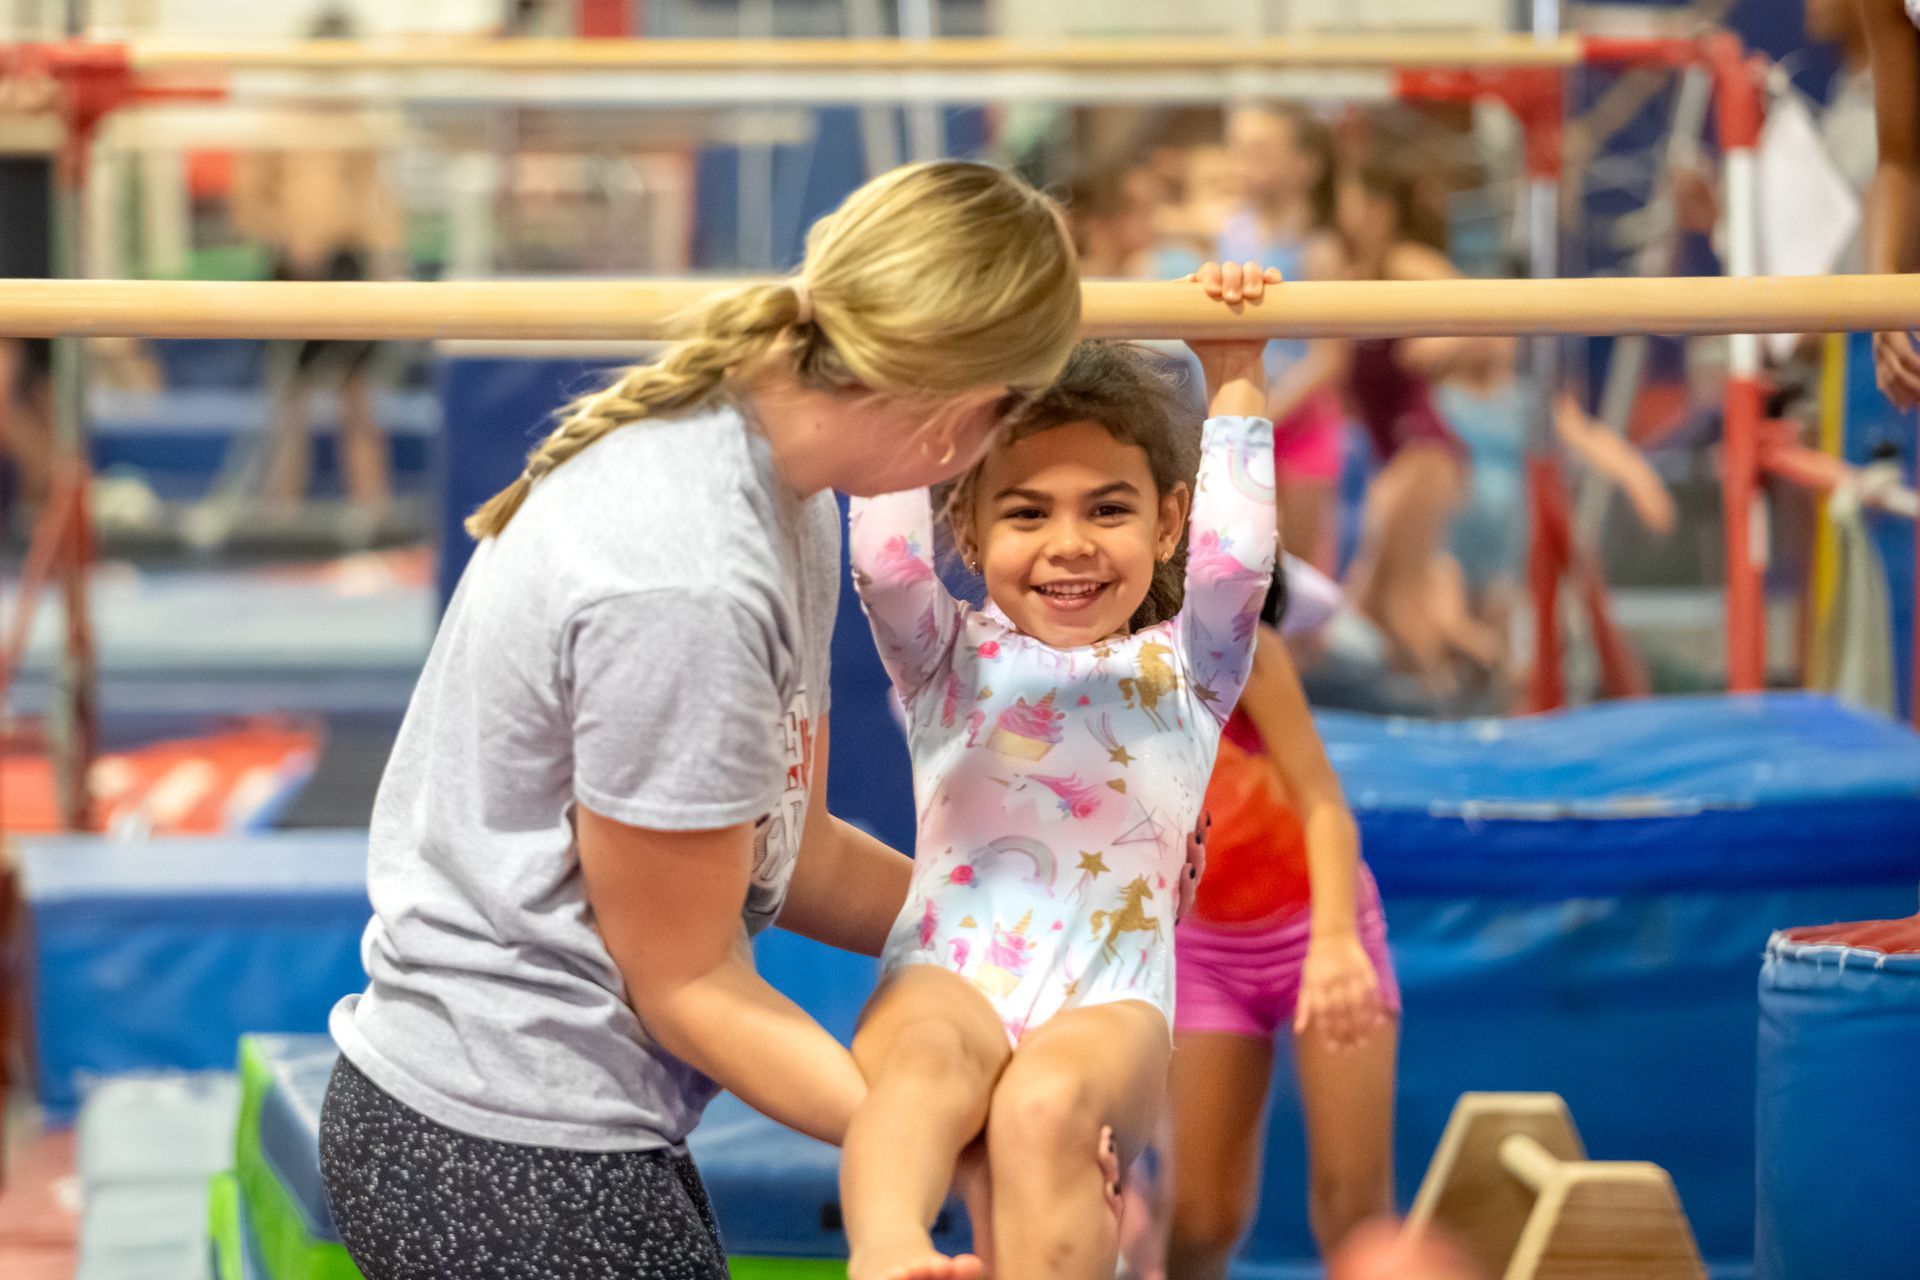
x,y
1401,576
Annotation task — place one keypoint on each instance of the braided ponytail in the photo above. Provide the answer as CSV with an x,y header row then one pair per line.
x,y
729,331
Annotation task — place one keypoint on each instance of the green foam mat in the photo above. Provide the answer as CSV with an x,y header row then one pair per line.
x,y
227,1242
787,1268
287,1248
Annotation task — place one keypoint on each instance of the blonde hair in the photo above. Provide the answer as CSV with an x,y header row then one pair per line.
x,y
931,280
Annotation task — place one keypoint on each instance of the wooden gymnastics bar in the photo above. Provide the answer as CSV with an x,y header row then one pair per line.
x,y
1511,1182
642,309
978,54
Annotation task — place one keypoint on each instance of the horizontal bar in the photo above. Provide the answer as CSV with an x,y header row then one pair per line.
x,y
795,86
990,54
640,309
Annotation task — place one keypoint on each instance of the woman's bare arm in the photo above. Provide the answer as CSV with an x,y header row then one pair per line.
x,y
668,905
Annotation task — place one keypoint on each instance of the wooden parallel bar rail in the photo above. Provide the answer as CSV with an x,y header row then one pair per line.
x,y
862,55
1522,1156
641,309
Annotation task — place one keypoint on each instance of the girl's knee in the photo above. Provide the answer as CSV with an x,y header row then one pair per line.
x,y
1207,1228
1051,1115
1341,1199
929,1048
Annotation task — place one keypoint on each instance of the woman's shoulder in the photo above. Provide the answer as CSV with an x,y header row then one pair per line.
x,y
667,502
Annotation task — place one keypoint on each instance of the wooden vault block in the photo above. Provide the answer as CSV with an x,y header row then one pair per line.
x,y
1511,1183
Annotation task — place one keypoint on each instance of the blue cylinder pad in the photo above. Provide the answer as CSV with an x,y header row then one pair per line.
x,y
1838,1114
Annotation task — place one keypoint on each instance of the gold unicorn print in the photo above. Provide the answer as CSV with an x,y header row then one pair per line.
x,y
1131,918
1157,679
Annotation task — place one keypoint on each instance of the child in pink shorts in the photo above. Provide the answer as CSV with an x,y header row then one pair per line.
x,y
1285,931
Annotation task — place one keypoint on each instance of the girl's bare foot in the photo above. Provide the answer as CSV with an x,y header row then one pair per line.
x,y
912,1257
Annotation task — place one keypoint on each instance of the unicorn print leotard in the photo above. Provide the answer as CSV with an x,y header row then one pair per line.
x,y
1055,787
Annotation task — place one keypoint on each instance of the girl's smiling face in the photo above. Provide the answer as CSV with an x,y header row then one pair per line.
x,y
1066,526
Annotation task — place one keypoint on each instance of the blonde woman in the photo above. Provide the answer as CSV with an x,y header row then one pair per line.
x,y
604,783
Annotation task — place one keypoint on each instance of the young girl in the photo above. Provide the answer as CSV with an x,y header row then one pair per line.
x,y
1285,931
1395,576
1285,157
1062,738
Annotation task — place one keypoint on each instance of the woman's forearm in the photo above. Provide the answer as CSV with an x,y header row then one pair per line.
x,y
667,904
732,1026
848,887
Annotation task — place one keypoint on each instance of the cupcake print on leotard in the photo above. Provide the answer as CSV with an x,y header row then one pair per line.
x,y
1028,732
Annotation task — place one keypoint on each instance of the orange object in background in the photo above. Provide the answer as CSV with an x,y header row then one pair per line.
x,y
209,174
1889,937
1256,848
228,780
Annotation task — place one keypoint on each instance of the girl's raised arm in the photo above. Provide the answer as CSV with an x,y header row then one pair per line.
x,y
1231,545
914,617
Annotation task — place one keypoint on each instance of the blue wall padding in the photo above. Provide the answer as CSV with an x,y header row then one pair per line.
x,y
1838,1150
158,954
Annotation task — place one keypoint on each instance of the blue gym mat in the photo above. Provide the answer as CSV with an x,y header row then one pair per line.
x,y
1769,791
152,955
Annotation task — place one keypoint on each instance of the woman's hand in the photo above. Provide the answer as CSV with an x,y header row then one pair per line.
x,y
1234,369
1896,367
1339,992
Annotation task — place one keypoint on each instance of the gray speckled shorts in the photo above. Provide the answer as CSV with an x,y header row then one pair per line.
x,y
414,1199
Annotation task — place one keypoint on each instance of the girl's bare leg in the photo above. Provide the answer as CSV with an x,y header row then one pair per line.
x,y
1082,1071
1220,1084
931,1048
290,451
1348,1100
364,454
1405,524
1464,633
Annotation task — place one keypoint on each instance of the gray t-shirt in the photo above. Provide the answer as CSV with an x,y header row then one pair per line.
x,y
650,635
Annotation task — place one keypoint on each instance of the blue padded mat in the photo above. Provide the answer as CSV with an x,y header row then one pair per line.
x,y
158,955
1629,797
